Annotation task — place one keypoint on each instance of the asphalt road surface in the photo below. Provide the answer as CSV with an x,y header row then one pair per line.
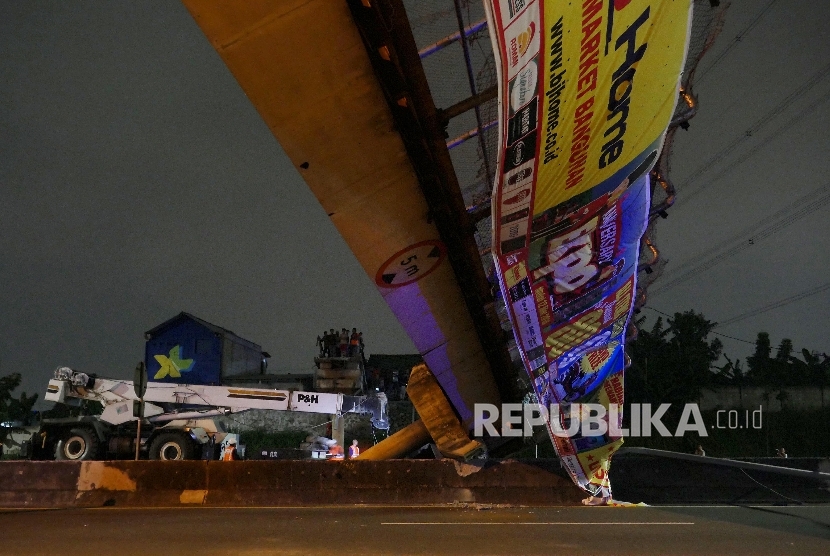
x,y
482,530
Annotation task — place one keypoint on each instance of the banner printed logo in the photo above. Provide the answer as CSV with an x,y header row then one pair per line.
x,y
515,225
516,216
513,7
522,123
528,323
609,77
574,381
523,151
582,328
519,199
580,260
522,39
521,176
523,86
575,249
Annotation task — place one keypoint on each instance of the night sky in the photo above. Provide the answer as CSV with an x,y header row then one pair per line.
x,y
137,181
753,176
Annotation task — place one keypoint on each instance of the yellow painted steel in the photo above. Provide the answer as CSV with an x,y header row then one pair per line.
x,y
305,69
406,440
438,423
438,417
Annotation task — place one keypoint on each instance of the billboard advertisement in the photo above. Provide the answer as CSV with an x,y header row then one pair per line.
x,y
586,91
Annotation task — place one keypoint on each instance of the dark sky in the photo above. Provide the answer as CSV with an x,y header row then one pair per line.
x,y
137,181
755,165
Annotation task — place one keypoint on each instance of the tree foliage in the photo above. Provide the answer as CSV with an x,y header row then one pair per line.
x,y
14,408
786,369
672,364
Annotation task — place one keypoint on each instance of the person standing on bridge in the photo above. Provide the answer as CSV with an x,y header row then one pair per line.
x,y
354,451
321,344
354,343
330,341
344,343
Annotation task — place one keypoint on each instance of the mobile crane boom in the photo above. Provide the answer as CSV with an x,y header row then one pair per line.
x,y
178,415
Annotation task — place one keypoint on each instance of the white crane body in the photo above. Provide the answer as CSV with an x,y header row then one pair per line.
x,y
170,408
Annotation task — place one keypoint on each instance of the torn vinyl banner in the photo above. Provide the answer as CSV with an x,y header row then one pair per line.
x,y
586,90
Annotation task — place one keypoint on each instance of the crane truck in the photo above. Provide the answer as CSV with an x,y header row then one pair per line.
x,y
177,420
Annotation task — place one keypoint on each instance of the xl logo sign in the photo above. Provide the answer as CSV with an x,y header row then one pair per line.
x,y
308,398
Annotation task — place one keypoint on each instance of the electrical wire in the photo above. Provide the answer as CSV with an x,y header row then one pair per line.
x,y
758,125
711,332
777,304
736,41
731,337
772,136
749,231
764,233
770,489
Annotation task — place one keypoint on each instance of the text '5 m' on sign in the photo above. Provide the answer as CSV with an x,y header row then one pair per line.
x,y
411,264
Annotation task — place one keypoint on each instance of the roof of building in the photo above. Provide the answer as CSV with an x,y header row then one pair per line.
x,y
224,332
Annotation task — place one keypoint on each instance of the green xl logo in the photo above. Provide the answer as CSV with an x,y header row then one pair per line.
x,y
172,365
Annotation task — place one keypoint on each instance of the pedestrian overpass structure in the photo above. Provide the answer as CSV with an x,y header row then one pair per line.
x,y
389,111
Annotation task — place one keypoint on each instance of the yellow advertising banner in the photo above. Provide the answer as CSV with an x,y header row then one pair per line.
x,y
587,89
606,98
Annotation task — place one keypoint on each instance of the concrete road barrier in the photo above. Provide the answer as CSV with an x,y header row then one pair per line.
x,y
281,483
660,480
38,483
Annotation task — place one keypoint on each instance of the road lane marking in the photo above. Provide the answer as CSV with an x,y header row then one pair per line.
x,y
537,523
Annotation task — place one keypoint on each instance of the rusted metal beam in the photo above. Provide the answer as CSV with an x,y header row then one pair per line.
x,y
467,104
471,78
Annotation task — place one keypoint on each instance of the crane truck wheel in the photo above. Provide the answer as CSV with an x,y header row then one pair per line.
x,y
79,445
172,446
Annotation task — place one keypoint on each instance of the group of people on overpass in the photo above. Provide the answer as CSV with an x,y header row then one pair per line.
x,y
342,344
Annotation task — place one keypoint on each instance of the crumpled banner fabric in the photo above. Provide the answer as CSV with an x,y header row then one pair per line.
x,y
586,91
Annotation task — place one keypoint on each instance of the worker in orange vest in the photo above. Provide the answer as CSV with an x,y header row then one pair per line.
x,y
230,452
354,451
354,343
336,452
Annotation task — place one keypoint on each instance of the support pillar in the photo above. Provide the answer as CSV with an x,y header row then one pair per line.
x,y
338,430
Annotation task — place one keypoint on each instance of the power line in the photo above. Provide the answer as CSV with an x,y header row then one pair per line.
x,y
771,229
772,136
731,337
749,231
711,331
777,304
737,40
658,311
758,125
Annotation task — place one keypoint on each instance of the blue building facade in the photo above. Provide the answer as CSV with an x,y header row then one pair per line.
x,y
189,350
